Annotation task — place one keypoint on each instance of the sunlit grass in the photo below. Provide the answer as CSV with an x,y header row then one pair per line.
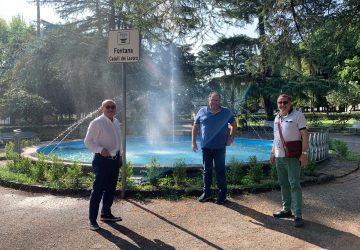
x,y
5,174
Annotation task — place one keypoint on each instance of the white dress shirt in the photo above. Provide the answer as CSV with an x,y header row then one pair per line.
x,y
103,133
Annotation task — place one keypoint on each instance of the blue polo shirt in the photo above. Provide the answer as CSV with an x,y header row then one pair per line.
x,y
214,130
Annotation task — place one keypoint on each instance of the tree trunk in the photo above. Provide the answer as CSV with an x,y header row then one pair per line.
x,y
268,108
265,70
262,39
112,16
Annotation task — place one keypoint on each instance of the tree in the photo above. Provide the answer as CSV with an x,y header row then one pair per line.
x,y
226,60
19,104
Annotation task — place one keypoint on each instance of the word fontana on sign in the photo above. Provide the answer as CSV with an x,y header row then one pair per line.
x,y
123,46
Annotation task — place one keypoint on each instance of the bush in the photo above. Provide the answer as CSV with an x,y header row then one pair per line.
x,y
73,176
55,173
236,172
273,173
179,173
26,143
23,166
38,170
310,167
129,173
255,173
339,147
10,152
153,171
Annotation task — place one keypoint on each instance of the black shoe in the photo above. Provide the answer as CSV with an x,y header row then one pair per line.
x,y
298,222
204,198
220,201
110,218
93,226
283,214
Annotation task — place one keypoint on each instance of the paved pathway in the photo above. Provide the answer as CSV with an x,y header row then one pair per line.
x,y
331,213
353,141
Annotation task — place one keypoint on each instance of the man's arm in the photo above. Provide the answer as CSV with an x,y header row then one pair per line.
x,y
194,133
91,136
305,146
233,128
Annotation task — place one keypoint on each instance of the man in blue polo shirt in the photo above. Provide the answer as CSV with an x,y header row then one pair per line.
x,y
213,122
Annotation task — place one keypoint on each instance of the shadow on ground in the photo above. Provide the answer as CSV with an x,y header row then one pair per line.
x,y
313,232
140,241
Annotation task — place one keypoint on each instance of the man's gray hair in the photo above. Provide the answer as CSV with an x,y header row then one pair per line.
x,y
214,93
287,96
107,100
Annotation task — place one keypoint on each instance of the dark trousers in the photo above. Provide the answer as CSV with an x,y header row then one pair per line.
x,y
106,175
215,157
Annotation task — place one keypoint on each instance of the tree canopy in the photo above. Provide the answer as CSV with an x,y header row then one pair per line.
x,y
309,49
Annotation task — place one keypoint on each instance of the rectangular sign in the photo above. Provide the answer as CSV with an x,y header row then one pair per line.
x,y
123,46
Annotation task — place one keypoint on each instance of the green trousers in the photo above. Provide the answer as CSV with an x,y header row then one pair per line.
x,y
289,171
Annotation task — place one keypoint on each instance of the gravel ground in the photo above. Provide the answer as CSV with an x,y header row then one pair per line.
x,y
331,213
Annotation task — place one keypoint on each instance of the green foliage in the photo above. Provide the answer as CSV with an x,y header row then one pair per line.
x,y
23,105
39,169
153,171
55,173
22,166
235,172
310,167
166,182
273,173
129,173
10,152
7,174
27,143
340,148
353,157
52,175
255,173
179,173
73,176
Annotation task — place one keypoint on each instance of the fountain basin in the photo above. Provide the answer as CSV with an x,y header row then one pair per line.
x,y
166,151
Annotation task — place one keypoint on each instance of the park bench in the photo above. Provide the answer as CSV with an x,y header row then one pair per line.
x,y
10,136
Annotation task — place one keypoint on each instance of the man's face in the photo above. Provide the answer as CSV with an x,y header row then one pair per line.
x,y
214,102
283,104
109,109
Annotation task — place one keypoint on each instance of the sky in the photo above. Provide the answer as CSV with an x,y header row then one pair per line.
x,y
11,8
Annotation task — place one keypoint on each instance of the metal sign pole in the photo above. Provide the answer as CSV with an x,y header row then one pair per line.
x,y
123,47
123,121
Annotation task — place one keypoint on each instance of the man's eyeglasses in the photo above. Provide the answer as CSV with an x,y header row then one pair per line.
x,y
110,107
284,102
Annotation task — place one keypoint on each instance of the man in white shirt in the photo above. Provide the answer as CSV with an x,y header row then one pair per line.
x,y
103,138
293,128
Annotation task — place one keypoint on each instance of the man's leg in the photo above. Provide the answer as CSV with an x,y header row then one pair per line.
x,y
282,172
98,187
294,180
112,177
207,170
219,159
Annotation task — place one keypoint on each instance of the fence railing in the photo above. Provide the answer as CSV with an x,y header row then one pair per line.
x,y
318,146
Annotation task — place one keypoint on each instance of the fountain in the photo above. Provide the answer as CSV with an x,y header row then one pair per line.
x,y
167,151
159,140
